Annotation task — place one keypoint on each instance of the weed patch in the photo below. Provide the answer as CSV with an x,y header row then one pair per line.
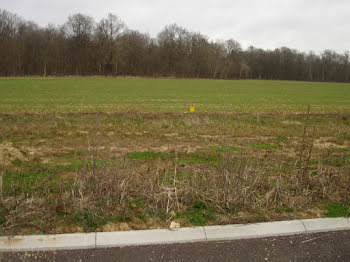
x,y
284,209
148,155
198,158
265,146
93,171
198,214
281,138
89,219
337,210
225,149
29,183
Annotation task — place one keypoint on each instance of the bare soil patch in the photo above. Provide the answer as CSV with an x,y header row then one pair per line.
x,y
323,142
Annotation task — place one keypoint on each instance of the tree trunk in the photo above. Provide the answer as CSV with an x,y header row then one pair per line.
x,y
310,72
45,66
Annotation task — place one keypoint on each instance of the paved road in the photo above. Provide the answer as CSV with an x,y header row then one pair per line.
x,y
330,246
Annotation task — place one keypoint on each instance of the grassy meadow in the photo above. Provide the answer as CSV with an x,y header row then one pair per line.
x,y
109,154
169,95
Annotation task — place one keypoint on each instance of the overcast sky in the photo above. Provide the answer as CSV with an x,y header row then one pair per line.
x,y
301,24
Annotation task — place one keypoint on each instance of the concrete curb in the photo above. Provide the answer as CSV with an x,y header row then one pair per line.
x,y
166,236
150,237
48,242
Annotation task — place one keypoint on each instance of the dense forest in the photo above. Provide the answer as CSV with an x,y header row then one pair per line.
x,y
82,46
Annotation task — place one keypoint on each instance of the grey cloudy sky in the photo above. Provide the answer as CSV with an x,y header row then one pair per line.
x,y
301,24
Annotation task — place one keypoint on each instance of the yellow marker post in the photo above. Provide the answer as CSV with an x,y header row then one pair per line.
x,y
192,109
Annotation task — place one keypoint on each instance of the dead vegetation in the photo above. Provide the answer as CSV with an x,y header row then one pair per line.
x,y
107,172
8,153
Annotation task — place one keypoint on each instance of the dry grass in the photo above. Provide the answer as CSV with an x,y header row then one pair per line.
x,y
82,172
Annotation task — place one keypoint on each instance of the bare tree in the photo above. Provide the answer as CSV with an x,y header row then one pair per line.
x,y
79,28
108,32
81,47
174,44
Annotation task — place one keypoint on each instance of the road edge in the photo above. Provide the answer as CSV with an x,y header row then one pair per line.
x,y
167,236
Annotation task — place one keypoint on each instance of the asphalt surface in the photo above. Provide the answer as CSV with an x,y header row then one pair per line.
x,y
330,246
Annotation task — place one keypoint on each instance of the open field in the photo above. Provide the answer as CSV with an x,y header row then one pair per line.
x,y
169,95
93,154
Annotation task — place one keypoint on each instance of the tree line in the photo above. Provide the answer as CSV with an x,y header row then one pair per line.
x,y
82,46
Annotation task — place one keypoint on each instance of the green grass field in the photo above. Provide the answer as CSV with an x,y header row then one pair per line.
x,y
169,95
